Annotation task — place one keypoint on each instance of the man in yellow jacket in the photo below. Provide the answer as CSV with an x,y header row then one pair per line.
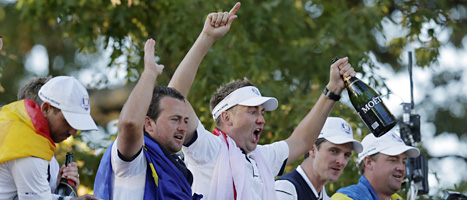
x,y
29,131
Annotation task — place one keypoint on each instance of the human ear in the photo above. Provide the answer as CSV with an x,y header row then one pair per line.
x,y
46,108
148,124
226,118
368,162
313,151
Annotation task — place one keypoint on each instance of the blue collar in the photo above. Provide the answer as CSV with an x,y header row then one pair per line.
x,y
364,181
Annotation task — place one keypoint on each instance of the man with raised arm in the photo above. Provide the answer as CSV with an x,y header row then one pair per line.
x,y
229,163
141,163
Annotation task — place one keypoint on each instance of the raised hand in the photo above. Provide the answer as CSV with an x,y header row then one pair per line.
x,y
149,58
341,68
70,172
218,24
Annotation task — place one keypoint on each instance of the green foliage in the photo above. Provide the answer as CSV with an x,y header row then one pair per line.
x,y
284,47
293,38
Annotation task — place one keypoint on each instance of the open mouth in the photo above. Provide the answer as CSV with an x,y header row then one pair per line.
x,y
398,177
256,134
179,137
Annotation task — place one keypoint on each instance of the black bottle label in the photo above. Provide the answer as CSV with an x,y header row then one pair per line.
x,y
370,104
376,116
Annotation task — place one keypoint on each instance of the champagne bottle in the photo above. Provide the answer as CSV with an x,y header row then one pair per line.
x,y
66,187
369,106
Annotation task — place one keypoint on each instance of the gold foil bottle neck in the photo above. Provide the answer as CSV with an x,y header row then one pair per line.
x,y
347,81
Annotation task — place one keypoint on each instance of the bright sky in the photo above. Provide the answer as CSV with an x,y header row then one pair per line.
x,y
448,169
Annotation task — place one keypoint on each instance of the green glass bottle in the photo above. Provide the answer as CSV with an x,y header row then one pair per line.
x,y
66,187
369,106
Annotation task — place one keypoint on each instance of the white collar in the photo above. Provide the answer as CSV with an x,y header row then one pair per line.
x,y
322,195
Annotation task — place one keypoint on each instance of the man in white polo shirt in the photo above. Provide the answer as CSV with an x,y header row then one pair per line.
x,y
31,91
229,163
382,165
325,162
29,133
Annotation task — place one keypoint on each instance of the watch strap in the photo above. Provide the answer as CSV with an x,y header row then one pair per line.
x,y
331,95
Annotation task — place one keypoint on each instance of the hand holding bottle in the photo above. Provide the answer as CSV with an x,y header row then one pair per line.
x,y
339,69
67,187
68,177
70,172
368,104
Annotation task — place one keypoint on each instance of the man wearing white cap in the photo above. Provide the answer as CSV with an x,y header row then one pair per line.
x,y
382,165
229,163
29,131
31,91
325,162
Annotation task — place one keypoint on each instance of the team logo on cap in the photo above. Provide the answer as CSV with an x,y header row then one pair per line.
x,y
256,91
397,139
85,103
345,127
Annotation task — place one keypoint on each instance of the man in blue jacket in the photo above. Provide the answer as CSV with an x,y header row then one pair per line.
x,y
382,165
140,164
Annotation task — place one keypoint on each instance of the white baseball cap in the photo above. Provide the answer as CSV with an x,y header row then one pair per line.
x,y
336,130
245,96
69,95
389,144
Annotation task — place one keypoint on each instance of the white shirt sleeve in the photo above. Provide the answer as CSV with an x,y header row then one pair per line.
x,y
275,155
285,190
30,178
54,170
123,168
129,177
205,148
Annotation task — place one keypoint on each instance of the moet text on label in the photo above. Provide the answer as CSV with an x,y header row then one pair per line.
x,y
370,104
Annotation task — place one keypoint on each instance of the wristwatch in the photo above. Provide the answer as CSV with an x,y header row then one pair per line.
x,y
331,95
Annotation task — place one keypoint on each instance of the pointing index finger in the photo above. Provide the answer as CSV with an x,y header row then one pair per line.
x,y
234,9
